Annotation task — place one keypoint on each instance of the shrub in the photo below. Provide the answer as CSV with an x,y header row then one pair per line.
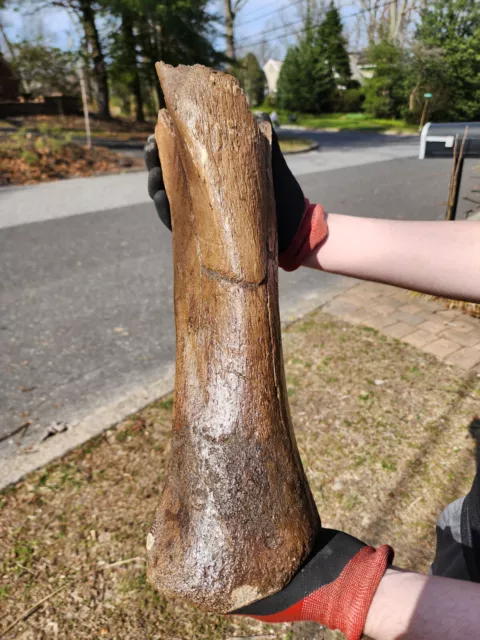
x,y
349,101
270,101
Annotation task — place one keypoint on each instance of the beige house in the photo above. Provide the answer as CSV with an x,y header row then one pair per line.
x,y
361,70
271,70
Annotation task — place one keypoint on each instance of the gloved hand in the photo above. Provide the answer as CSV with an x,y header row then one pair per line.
x,y
301,226
335,586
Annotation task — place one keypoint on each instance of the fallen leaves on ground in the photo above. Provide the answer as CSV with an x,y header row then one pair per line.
x,y
29,165
469,308
98,125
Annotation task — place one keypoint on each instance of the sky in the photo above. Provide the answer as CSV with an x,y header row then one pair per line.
x,y
258,20
54,24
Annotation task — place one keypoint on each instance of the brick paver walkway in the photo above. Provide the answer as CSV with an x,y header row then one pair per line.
x,y
448,334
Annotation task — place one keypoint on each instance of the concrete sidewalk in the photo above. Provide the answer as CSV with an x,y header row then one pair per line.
x,y
64,198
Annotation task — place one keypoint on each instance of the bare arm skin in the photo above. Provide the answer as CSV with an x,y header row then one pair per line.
x,y
416,607
439,258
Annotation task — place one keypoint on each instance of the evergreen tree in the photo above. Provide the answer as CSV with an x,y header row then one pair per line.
x,y
177,32
386,93
140,33
124,68
454,27
330,36
252,79
306,81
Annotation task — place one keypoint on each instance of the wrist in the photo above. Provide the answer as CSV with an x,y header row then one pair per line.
x,y
389,614
310,233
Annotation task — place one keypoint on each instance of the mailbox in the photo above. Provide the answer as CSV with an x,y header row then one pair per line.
x,y
437,139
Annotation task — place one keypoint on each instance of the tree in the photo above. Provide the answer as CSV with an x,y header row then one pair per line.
x,y
399,14
3,33
44,70
428,74
306,81
85,11
130,51
453,26
251,77
266,49
125,70
382,20
386,93
330,35
179,32
138,34
231,10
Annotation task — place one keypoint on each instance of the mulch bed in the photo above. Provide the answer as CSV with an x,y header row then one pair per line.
x,y
71,161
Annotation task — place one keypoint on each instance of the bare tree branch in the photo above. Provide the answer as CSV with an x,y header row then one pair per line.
x,y
9,45
238,5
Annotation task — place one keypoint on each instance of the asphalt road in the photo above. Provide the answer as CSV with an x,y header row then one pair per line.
x,y
86,299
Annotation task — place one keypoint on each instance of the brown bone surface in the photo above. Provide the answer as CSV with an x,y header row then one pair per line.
x,y
236,517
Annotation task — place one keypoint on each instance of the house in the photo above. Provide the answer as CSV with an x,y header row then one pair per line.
x,y
9,83
271,70
360,68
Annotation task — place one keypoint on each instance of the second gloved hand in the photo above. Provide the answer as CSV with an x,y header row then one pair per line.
x,y
335,587
301,226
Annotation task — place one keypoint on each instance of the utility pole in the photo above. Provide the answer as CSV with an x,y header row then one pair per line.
x,y
83,89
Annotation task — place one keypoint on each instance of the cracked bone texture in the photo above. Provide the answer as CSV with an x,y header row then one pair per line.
x,y
236,518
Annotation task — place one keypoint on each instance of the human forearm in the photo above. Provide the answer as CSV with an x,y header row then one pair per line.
x,y
416,607
439,258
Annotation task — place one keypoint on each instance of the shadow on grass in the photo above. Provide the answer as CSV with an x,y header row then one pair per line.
x,y
392,503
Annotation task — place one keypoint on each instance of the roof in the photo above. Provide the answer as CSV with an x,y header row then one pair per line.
x,y
275,64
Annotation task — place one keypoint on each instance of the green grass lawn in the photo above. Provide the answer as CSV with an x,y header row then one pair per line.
x,y
343,121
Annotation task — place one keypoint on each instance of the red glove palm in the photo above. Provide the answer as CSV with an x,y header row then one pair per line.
x,y
335,587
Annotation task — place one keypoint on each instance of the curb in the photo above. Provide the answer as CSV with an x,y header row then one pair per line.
x,y
99,174
111,143
38,454
383,132
312,147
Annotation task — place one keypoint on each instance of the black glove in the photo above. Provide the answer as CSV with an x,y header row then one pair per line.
x,y
289,198
335,587
156,188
